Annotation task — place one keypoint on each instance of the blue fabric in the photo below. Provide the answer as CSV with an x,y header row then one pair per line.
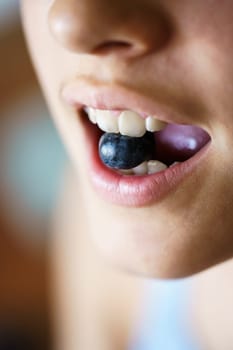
x,y
164,322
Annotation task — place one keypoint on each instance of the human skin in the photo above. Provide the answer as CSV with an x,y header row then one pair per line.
x,y
178,53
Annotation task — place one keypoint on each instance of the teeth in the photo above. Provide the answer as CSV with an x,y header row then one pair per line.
x,y
91,112
106,121
155,166
128,123
131,124
145,168
153,124
140,169
126,171
173,164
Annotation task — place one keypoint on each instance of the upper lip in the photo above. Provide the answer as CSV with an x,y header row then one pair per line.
x,y
85,93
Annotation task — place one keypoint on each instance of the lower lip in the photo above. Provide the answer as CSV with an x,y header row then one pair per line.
x,y
135,191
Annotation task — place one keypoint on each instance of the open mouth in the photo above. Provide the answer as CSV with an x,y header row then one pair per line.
x,y
134,158
131,144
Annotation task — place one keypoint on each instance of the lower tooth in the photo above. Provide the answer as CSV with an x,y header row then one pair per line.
x,y
155,166
145,168
140,169
173,164
126,171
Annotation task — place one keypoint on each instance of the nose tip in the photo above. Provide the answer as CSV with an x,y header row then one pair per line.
x,y
95,28
74,36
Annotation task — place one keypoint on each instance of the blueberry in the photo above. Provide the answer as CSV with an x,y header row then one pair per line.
x,y
124,152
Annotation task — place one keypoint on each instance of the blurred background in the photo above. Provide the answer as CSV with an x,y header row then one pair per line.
x,y
31,163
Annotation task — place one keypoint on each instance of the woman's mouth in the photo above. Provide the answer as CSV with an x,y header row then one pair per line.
x,y
134,158
137,145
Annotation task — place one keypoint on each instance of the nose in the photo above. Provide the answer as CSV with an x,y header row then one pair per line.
x,y
105,27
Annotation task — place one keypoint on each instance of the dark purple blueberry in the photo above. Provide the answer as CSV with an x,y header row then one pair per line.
x,y
124,152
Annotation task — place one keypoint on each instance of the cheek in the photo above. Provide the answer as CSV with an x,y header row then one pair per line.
x,y
45,54
51,63
207,26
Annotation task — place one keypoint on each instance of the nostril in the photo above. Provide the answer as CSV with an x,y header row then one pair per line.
x,y
109,46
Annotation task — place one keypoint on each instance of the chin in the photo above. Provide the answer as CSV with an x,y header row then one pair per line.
x,y
176,238
161,266
159,254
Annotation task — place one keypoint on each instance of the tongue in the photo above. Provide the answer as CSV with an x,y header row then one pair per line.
x,y
179,142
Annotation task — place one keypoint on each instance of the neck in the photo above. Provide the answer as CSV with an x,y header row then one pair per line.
x,y
213,306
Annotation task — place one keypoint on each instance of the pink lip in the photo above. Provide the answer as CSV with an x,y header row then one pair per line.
x,y
111,97
131,191
135,191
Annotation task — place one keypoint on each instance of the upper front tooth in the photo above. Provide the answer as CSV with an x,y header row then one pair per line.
x,y
153,124
131,124
107,121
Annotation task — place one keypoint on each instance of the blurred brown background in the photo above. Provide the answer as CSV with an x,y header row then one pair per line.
x,y
32,159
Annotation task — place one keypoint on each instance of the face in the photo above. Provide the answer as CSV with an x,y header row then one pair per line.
x,y
169,59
